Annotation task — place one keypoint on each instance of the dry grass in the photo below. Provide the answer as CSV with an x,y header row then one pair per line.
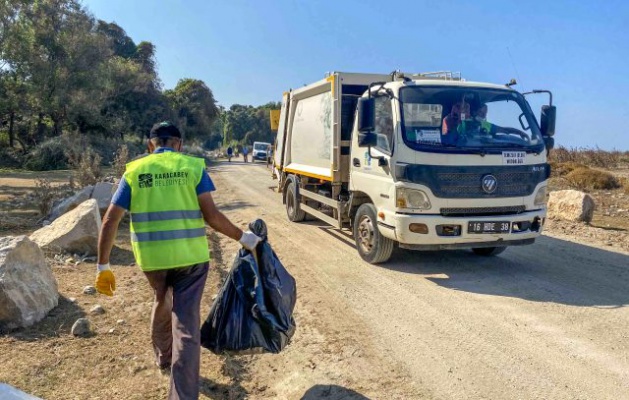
x,y
86,165
587,179
624,183
46,193
12,224
121,159
558,169
590,157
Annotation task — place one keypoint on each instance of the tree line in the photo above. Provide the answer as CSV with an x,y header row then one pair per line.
x,y
63,70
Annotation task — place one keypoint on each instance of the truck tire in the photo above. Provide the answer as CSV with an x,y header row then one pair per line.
x,y
371,245
293,211
488,251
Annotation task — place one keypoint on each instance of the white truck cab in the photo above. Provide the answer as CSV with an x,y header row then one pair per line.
x,y
427,161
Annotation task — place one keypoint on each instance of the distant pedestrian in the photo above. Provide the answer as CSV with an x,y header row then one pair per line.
x,y
245,152
230,153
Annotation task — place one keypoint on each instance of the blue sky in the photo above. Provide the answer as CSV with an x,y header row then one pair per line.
x,y
249,52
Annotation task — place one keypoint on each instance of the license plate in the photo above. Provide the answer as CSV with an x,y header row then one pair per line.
x,y
488,227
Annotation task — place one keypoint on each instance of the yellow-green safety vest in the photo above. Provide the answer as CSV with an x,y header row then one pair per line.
x,y
167,226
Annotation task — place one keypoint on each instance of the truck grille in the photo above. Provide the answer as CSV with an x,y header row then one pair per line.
x,y
465,182
510,184
481,211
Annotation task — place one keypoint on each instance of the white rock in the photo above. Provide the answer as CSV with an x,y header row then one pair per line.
x,y
571,205
28,288
81,327
121,322
75,231
97,310
89,290
71,203
102,193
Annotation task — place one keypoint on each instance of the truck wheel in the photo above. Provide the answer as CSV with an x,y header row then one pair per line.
x,y
488,251
372,246
294,213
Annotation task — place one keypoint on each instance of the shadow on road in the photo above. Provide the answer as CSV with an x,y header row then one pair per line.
x,y
332,392
551,270
219,391
233,205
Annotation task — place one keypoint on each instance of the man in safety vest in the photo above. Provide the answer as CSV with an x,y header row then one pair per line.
x,y
168,195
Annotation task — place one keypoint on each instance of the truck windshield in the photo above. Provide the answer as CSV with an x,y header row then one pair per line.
x,y
455,119
260,146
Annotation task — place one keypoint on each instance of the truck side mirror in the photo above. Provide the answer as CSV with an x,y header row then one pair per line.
x,y
366,122
549,115
549,142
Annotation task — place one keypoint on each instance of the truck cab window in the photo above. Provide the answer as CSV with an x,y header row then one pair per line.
x,y
384,124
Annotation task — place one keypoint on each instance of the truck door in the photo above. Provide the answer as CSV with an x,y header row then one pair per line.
x,y
368,174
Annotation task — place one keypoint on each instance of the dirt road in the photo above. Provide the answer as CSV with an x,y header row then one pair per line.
x,y
548,321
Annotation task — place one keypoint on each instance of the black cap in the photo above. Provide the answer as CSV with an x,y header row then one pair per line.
x,y
164,130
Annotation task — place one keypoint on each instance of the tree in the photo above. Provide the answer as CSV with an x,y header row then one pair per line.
x,y
121,44
194,107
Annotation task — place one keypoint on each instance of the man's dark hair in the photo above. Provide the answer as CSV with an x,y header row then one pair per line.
x,y
164,141
164,134
164,129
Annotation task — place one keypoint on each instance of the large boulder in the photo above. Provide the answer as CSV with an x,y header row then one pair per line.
x,y
571,205
28,289
70,203
74,232
102,193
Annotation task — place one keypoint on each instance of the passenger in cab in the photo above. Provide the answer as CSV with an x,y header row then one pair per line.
x,y
449,128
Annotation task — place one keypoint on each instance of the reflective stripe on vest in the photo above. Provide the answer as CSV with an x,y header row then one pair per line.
x,y
167,235
167,226
165,215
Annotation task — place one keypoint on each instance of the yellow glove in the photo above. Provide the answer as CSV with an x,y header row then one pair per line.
x,y
105,280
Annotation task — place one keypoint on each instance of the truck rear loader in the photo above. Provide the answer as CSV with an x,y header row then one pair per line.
x,y
428,161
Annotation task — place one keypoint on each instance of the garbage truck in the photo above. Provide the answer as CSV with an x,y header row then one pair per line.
x,y
426,161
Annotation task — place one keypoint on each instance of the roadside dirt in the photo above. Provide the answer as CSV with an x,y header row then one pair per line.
x,y
544,321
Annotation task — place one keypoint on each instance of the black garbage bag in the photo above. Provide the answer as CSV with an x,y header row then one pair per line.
x,y
253,312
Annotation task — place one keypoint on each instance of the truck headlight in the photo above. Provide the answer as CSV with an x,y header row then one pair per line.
x,y
540,196
412,198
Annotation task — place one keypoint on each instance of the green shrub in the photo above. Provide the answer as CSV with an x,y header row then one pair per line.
x,y
591,179
49,155
10,158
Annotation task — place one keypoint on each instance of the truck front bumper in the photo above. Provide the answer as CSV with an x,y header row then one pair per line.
x,y
453,232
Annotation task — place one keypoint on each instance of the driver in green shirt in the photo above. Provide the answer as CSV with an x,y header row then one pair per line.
x,y
487,128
